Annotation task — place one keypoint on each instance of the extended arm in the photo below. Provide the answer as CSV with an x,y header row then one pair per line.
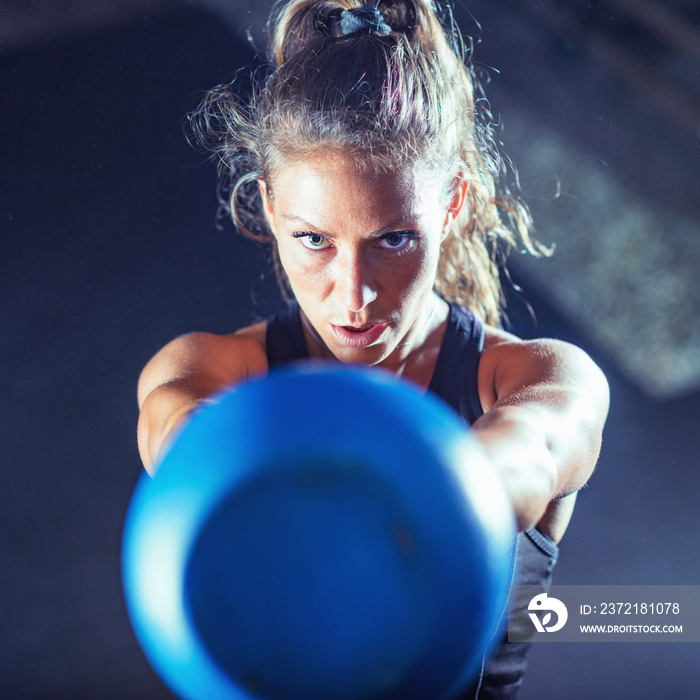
x,y
181,376
546,406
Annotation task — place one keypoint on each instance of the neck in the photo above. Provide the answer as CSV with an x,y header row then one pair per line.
x,y
415,357
315,345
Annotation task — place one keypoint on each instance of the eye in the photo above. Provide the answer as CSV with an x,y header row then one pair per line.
x,y
397,240
312,241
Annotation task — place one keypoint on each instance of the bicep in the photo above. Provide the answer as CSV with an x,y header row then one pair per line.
x,y
201,362
182,375
563,395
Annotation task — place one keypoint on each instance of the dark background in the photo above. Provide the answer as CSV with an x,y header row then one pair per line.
x,y
108,249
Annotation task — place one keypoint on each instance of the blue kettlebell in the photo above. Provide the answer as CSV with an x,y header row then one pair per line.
x,y
319,534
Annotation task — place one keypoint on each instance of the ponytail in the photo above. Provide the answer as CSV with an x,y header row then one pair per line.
x,y
390,85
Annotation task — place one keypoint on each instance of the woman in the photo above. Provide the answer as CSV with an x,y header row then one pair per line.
x,y
365,162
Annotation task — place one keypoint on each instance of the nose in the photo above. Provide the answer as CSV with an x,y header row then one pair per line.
x,y
354,283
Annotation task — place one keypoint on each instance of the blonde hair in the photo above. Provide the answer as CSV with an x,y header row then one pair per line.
x,y
403,95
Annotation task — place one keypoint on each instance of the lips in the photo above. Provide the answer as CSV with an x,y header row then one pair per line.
x,y
358,336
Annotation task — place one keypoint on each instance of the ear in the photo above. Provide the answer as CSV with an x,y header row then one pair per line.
x,y
268,208
460,186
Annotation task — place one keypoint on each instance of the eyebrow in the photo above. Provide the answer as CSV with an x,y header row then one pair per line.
x,y
316,229
389,228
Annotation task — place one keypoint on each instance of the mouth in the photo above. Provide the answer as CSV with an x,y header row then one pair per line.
x,y
358,336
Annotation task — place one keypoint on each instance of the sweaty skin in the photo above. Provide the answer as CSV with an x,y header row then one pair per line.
x,y
360,250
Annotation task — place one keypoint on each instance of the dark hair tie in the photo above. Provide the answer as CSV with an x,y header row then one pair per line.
x,y
365,19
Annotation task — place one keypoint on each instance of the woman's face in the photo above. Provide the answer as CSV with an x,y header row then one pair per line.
x,y
360,250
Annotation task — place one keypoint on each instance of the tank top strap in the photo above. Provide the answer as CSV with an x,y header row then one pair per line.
x,y
455,379
284,337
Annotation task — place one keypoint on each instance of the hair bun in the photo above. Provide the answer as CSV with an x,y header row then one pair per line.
x,y
366,20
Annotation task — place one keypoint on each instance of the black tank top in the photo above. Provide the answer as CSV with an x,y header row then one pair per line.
x,y
455,382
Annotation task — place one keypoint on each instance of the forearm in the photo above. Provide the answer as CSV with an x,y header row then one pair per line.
x,y
163,413
518,450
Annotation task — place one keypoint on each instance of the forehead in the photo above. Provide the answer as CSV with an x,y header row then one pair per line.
x,y
335,186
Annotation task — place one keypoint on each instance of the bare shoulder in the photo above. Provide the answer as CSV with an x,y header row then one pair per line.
x,y
510,365
216,360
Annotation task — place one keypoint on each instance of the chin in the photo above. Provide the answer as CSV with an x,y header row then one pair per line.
x,y
359,356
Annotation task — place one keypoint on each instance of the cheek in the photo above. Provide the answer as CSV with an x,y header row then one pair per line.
x,y
419,273
305,274
407,282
